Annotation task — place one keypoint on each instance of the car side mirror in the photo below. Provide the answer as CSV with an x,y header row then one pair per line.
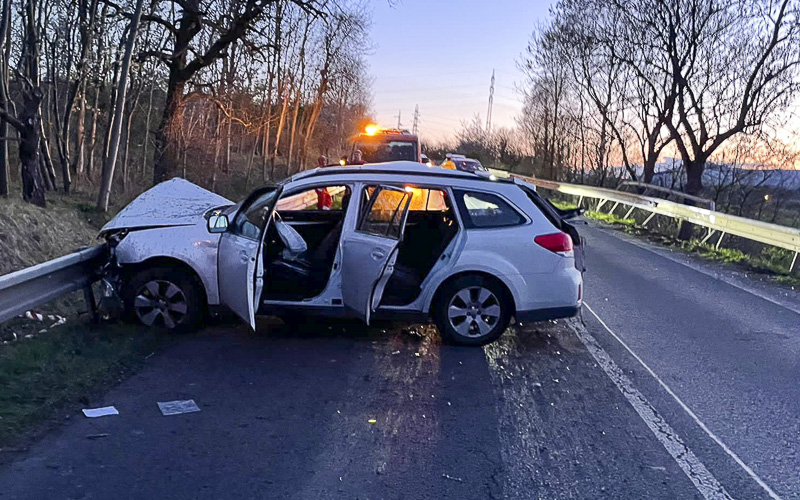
x,y
217,223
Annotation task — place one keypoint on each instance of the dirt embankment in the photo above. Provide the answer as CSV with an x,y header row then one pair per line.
x,y
30,235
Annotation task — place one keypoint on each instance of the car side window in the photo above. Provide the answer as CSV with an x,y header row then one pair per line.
x,y
428,200
385,211
251,219
328,198
485,210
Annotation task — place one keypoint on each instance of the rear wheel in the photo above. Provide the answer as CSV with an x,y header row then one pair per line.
x,y
472,310
168,298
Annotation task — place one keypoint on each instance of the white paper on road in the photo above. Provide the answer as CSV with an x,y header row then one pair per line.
x,y
178,407
100,412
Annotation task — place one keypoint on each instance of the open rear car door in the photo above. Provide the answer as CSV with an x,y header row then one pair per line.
x,y
369,253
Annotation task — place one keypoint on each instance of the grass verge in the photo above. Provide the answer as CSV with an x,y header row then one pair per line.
x,y
45,379
772,261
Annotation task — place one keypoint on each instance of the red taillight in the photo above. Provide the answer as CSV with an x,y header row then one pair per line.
x,y
559,243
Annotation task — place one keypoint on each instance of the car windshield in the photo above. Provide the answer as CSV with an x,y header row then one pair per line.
x,y
388,151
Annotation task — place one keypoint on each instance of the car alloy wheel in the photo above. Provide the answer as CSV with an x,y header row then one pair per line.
x,y
160,302
474,311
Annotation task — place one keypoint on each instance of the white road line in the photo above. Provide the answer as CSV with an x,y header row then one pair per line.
x,y
688,410
703,480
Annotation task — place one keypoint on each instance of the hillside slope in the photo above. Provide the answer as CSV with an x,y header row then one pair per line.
x,y
30,235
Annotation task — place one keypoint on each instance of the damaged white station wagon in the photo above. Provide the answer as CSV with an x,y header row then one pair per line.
x,y
396,241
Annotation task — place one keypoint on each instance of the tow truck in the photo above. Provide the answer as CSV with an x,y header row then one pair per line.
x,y
379,145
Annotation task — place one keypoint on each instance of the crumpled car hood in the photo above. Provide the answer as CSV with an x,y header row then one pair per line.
x,y
175,202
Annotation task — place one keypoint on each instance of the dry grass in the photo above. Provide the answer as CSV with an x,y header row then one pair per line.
x,y
30,235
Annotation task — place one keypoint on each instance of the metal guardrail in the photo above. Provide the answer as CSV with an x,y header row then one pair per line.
x,y
762,232
28,288
709,204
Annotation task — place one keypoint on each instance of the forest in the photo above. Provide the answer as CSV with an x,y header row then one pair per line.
x,y
108,97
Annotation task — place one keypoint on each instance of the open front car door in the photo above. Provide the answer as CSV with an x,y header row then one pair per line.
x,y
370,252
240,254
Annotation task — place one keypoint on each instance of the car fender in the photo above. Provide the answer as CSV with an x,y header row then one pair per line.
x,y
478,261
192,245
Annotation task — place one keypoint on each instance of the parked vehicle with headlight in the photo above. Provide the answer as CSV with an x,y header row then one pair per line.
x,y
469,165
401,241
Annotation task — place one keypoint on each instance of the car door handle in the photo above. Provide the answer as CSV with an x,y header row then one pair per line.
x,y
378,254
243,255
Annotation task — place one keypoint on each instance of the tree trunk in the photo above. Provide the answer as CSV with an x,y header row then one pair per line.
x,y
5,53
30,140
80,132
93,134
218,125
649,167
694,186
163,156
126,149
278,133
46,158
293,132
267,121
111,158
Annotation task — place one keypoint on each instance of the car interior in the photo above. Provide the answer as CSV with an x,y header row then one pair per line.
x,y
302,243
430,227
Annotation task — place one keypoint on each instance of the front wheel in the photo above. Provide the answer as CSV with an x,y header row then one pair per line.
x,y
472,310
163,297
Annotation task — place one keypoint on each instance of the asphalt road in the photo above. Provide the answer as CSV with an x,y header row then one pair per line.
x,y
553,410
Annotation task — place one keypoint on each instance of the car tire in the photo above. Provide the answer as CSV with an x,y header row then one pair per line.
x,y
168,298
472,310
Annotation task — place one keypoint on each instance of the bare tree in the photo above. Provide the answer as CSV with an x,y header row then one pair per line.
x,y
116,125
5,54
27,120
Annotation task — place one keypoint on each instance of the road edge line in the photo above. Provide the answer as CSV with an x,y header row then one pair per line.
x,y
702,479
688,410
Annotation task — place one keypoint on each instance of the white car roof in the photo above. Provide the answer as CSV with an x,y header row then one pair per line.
x,y
394,167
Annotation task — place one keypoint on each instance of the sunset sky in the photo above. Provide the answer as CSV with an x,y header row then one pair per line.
x,y
440,55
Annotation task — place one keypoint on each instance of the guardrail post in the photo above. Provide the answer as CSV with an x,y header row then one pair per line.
x,y
613,208
580,201
652,214
719,241
88,297
627,215
794,261
600,204
709,234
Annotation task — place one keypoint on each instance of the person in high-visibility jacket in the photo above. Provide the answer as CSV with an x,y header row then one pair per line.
x,y
448,163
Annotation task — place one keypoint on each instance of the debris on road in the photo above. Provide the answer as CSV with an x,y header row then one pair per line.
x,y
178,407
97,436
372,421
100,412
34,315
448,476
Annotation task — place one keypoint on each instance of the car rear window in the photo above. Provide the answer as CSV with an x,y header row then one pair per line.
x,y
485,210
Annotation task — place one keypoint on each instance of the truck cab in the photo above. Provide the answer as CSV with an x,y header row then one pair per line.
x,y
378,145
